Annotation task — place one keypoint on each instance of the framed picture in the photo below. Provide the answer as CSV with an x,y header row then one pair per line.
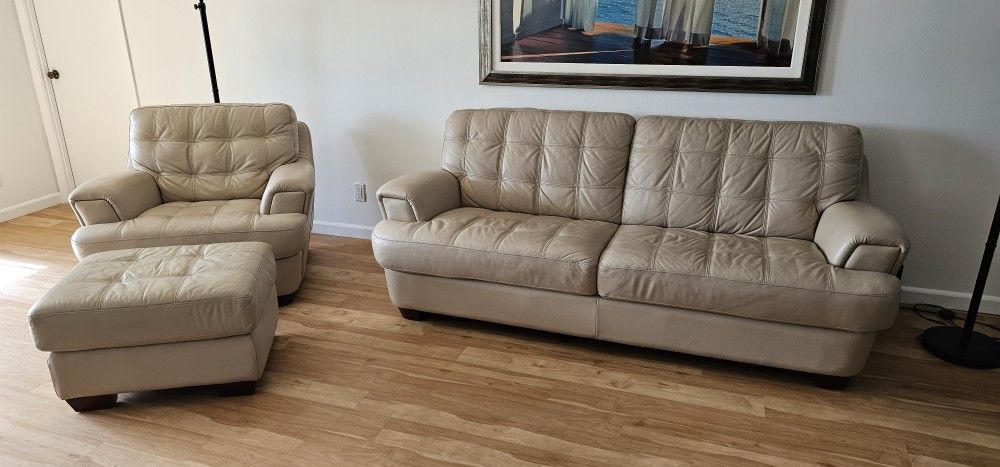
x,y
767,46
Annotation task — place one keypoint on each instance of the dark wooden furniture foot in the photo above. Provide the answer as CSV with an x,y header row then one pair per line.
x,y
285,300
89,403
831,382
241,388
412,315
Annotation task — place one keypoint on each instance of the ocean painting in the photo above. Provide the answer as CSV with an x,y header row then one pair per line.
x,y
703,45
733,18
754,33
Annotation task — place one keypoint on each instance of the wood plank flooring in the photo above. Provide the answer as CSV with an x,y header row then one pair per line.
x,y
351,383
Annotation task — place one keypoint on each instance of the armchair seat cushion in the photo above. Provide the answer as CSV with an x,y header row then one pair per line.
x,y
766,278
541,252
193,223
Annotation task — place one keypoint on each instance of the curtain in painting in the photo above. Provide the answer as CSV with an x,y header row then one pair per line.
x,y
580,14
683,21
776,32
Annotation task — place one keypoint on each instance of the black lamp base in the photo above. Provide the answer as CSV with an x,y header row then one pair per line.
x,y
943,341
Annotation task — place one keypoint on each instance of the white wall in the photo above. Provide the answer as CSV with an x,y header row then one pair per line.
x,y
376,80
27,181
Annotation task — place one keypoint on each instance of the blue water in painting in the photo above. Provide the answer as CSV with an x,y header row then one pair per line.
x,y
737,18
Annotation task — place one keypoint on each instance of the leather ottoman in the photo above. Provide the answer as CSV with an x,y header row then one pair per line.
x,y
156,318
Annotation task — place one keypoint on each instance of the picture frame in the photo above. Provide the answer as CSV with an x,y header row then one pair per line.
x,y
580,54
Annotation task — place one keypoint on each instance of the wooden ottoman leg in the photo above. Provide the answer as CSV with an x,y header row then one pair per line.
x,y
241,388
89,403
831,382
412,315
285,300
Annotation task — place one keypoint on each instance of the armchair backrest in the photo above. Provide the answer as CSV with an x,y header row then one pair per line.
x,y
214,151
569,164
769,179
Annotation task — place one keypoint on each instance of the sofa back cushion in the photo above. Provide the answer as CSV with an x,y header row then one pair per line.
x,y
212,152
769,179
569,164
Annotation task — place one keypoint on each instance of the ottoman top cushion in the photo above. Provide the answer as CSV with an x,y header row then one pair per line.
x,y
147,296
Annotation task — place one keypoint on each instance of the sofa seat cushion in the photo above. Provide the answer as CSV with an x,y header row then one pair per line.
x,y
148,296
540,252
768,278
187,223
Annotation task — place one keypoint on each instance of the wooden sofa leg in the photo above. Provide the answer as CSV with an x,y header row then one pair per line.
x,y
285,300
835,383
90,403
240,388
412,315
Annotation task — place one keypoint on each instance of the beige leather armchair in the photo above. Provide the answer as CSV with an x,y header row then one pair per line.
x,y
202,174
743,240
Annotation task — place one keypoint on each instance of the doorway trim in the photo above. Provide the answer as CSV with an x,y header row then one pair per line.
x,y
46,96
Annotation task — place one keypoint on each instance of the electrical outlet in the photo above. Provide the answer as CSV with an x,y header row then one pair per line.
x,y
360,193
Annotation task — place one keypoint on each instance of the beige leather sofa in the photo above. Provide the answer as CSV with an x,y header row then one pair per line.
x,y
200,174
749,241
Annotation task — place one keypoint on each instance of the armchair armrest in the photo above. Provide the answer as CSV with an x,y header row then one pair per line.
x,y
290,189
419,196
856,235
114,198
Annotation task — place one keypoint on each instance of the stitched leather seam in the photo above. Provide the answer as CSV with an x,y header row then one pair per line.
x,y
673,176
727,155
121,275
534,144
501,158
112,205
709,256
277,133
719,180
767,181
541,161
555,235
262,170
552,185
182,236
579,170
767,262
461,229
187,273
496,281
159,341
190,163
582,264
822,168
717,195
618,268
465,147
509,231
734,315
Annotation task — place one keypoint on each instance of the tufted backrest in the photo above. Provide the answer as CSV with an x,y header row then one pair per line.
x,y
768,179
212,152
569,164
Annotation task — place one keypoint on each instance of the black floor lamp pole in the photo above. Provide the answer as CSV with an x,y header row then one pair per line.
x,y
200,6
966,347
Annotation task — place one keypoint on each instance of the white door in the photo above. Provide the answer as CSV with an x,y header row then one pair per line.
x,y
85,41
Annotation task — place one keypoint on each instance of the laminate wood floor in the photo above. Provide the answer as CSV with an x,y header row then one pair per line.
x,y
351,383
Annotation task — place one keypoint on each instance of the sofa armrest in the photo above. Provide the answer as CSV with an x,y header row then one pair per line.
x,y
115,198
290,189
419,196
856,235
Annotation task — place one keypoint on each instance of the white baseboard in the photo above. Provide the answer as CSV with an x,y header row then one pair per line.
x,y
341,229
949,299
30,206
